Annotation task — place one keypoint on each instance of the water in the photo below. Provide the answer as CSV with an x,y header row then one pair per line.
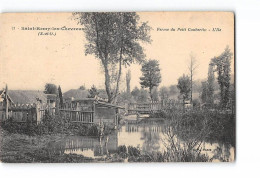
x,y
149,137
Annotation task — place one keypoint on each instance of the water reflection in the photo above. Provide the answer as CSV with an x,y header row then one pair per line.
x,y
147,136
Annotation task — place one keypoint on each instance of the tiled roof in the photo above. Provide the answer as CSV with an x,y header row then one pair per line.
x,y
27,96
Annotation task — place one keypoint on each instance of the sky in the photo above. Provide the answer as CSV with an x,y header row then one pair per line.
x,y
29,60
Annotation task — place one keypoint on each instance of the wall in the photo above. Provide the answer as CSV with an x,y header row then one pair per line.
x,y
105,114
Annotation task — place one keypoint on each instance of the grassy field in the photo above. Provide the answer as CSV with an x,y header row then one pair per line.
x,y
21,148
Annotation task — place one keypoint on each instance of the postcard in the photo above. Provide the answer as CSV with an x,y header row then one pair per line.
x,y
117,87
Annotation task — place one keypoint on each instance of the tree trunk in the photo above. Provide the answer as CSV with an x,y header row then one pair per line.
x,y
150,92
118,79
107,83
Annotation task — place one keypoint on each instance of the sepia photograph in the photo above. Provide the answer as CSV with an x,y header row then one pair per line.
x,y
117,87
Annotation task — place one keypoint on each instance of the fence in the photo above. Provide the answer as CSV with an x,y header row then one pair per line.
x,y
26,112
152,107
78,115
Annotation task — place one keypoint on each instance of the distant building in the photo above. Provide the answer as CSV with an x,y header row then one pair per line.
x,y
75,94
19,99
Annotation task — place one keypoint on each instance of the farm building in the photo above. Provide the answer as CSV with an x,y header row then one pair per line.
x,y
92,111
22,104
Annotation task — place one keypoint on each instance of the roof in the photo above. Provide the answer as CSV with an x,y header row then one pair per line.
x,y
27,96
51,96
99,103
76,93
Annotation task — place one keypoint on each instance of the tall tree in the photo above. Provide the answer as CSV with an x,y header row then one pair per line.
x,y
128,80
173,90
114,38
151,75
164,93
50,88
155,94
192,67
60,96
184,86
222,64
204,92
210,85
143,96
93,92
135,93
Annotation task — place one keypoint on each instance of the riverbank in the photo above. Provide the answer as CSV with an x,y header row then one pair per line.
x,y
189,137
21,148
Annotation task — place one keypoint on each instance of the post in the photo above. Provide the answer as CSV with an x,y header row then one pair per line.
x,y
126,108
38,116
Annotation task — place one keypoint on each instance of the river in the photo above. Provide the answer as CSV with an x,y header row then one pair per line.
x,y
148,137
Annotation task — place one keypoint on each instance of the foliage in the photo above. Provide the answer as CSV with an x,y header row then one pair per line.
x,y
210,85
60,97
50,88
54,125
93,92
184,86
173,90
222,64
114,38
128,80
140,95
151,75
204,92
82,87
207,87
155,94
164,93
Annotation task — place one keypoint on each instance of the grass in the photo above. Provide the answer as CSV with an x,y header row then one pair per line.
x,y
21,148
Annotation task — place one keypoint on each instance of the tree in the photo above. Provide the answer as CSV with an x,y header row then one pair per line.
x,y
155,94
135,93
143,97
114,38
93,92
210,85
204,93
128,80
164,93
222,64
184,86
140,95
192,67
173,90
50,88
82,87
151,75
60,96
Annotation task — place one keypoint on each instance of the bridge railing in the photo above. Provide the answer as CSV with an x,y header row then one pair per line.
x,y
153,106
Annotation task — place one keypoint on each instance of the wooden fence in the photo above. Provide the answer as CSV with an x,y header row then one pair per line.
x,y
152,107
26,112
78,115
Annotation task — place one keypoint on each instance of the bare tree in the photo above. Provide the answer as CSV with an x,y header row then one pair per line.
x,y
193,65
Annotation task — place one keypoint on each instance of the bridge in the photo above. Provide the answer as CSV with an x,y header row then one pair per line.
x,y
152,107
